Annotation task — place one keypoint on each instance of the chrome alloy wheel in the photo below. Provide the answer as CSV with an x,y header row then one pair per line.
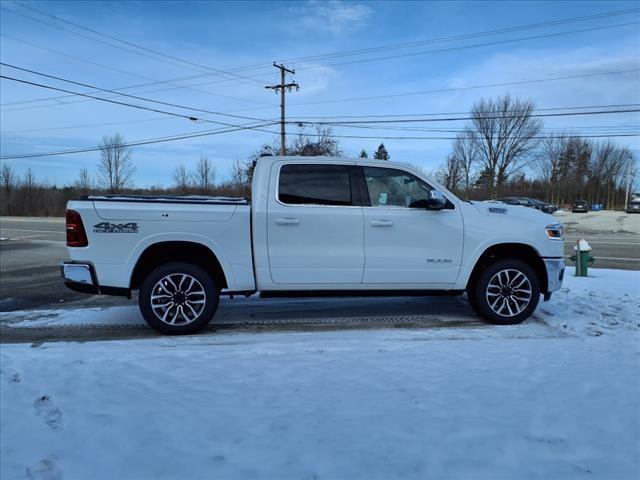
x,y
509,292
178,299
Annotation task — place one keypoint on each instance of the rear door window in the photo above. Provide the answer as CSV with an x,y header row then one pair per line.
x,y
308,184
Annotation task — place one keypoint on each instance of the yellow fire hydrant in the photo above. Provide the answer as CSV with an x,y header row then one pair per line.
x,y
582,258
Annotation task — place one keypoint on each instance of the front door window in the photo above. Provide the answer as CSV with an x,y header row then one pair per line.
x,y
391,187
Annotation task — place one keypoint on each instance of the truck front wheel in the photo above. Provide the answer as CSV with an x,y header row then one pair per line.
x,y
178,298
506,292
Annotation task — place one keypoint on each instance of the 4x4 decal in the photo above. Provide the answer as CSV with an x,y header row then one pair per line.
x,y
106,227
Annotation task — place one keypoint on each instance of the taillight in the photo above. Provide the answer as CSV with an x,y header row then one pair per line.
x,y
76,236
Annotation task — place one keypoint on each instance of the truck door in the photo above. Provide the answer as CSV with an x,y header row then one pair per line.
x,y
404,242
315,226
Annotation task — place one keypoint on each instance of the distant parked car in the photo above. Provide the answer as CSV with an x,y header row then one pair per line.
x,y
633,206
528,202
580,206
545,207
512,201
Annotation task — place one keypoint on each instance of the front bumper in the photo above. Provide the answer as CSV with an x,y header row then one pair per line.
x,y
555,274
81,277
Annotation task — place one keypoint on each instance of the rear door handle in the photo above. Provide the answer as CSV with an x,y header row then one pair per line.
x,y
381,223
287,221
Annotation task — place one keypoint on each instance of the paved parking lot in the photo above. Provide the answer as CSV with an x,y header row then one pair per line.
x,y
30,258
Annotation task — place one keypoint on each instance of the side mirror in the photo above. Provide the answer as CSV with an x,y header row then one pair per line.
x,y
436,203
430,203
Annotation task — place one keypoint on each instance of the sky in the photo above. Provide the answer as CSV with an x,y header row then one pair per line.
x,y
201,42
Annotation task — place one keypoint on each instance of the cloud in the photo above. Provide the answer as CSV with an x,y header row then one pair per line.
x,y
334,16
314,78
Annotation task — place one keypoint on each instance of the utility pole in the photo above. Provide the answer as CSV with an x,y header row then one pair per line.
x,y
283,88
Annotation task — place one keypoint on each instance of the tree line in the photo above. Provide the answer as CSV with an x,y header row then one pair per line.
x,y
500,152
503,152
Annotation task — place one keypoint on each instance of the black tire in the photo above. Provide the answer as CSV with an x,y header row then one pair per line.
x,y
203,306
472,303
478,293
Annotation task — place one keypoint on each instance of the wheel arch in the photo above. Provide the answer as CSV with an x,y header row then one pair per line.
x,y
178,251
516,251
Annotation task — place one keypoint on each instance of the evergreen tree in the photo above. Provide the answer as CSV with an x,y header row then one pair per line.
x,y
381,153
364,154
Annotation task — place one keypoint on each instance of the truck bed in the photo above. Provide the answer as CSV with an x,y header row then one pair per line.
x,y
120,228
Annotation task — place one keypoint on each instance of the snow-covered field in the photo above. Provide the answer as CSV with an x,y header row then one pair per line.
x,y
555,397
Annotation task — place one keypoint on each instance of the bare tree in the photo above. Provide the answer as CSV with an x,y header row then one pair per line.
x,y
84,182
205,175
609,166
116,169
28,189
29,182
8,184
239,176
182,179
465,152
450,173
322,143
547,165
504,133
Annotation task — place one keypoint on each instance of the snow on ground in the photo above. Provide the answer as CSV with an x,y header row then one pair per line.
x,y
606,301
482,402
124,315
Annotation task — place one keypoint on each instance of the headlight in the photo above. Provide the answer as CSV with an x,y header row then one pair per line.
x,y
554,231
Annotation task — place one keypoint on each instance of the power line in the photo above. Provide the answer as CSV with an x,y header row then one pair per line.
x,y
95,32
384,137
405,45
456,119
154,82
127,104
473,87
478,45
188,117
491,32
192,118
457,37
169,138
568,130
509,29
86,125
258,128
337,119
539,109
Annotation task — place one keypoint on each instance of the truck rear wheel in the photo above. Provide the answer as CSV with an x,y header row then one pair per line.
x,y
506,292
178,298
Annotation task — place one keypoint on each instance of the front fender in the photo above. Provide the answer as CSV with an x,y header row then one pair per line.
x,y
472,256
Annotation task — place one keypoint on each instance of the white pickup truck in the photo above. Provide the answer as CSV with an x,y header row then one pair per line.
x,y
314,226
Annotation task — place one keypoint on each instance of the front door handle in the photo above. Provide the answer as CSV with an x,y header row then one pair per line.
x,y
381,223
287,221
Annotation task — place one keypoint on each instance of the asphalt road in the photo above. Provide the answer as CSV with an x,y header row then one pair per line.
x,y
30,267
30,258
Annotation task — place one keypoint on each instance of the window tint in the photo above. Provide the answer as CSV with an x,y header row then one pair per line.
x,y
315,185
390,187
